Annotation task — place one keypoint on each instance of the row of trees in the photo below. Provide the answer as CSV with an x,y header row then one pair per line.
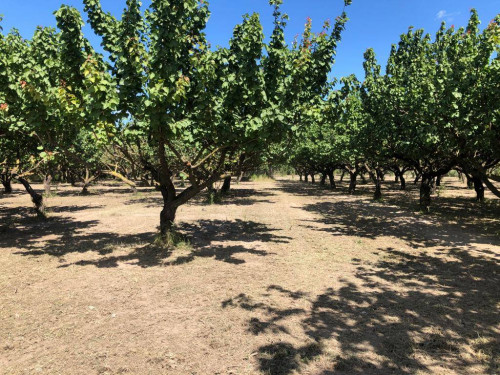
x,y
163,103
436,108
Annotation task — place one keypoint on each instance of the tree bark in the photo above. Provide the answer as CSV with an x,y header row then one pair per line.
x,y
36,198
331,177
46,184
438,180
6,182
167,218
425,192
403,181
323,179
352,184
306,178
470,181
479,188
226,186
313,178
378,186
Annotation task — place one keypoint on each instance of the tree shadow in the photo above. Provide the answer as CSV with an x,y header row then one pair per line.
x,y
212,239
59,237
403,314
370,220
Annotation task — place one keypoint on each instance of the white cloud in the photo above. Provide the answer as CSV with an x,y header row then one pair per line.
x,y
446,16
441,14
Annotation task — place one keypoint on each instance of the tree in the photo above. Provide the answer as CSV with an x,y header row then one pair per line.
x,y
201,109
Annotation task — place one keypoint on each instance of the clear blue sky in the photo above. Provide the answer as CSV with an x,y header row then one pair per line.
x,y
373,23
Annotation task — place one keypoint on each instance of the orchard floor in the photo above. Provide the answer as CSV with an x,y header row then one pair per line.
x,y
281,278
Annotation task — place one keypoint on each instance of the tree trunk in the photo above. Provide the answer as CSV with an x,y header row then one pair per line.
x,y
470,182
300,177
479,188
226,186
331,177
306,178
46,184
36,198
363,178
323,179
403,181
425,192
378,186
167,218
313,178
417,178
6,182
396,177
438,180
352,185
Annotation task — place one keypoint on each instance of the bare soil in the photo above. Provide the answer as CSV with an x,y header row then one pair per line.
x,y
280,278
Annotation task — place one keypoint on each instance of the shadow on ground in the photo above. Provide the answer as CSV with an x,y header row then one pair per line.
x,y
60,237
404,314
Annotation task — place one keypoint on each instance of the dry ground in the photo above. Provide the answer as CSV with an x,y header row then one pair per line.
x,y
281,278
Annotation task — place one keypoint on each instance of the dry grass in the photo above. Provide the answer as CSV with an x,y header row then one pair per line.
x,y
280,278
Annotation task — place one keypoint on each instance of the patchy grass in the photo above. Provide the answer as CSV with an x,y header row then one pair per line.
x,y
280,278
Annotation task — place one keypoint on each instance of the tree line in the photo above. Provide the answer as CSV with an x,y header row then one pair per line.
x,y
435,109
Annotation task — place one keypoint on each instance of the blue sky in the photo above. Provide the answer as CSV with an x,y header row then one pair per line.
x,y
373,23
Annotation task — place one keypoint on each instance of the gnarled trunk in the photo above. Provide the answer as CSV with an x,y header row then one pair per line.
x,y
36,198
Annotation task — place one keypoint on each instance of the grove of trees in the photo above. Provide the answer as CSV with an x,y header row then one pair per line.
x,y
162,104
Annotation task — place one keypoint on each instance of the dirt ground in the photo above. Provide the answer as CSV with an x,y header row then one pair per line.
x,y
280,278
